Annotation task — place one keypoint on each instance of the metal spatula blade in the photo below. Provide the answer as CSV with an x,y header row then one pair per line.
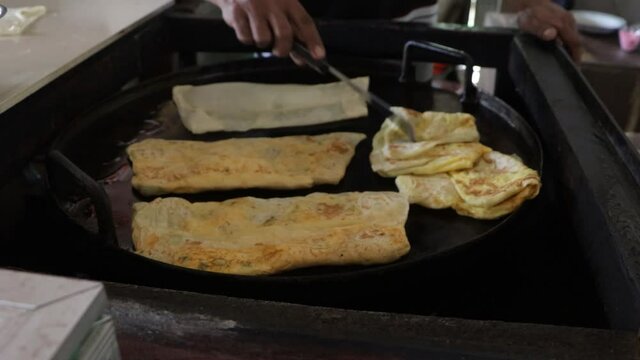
x,y
323,67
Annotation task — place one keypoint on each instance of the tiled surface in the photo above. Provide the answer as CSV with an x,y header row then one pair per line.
x,y
44,316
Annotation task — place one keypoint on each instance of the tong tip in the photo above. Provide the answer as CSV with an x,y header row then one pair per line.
x,y
403,121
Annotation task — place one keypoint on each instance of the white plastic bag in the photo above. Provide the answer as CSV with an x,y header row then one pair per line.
x,y
18,19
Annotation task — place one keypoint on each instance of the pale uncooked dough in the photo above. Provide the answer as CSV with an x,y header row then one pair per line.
x,y
242,106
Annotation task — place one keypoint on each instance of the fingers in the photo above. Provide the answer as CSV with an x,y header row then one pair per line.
x,y
237,19
306,31
260,30
296,59
275,23
249,19
571,38
529,21
283,34
549,21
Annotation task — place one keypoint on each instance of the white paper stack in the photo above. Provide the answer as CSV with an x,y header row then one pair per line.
x,y
49,317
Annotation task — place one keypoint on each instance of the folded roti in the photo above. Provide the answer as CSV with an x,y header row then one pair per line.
x,y
432,191
495,178
289,162
444,142
431,128
496,186
251,236
241,106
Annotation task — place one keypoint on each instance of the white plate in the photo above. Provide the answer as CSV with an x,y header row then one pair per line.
x,y
597,22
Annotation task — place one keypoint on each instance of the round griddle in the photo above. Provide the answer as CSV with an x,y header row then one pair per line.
x,y
90,173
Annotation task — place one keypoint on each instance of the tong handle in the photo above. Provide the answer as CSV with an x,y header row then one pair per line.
x,y
65,177
439,53
376,102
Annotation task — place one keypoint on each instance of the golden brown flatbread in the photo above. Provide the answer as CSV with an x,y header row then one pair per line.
x,y
251,236
431,128
439,159
495,178
290,162
241,106
431,191
444,142
496,186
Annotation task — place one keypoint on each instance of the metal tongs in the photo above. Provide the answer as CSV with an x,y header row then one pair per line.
x,y
323,67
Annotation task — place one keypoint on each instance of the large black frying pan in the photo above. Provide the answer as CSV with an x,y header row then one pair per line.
x,y
90,174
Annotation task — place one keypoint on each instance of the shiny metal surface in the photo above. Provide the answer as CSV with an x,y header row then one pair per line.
x,y
323,67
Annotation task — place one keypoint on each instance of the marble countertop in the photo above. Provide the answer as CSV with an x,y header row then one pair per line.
x,y
70,32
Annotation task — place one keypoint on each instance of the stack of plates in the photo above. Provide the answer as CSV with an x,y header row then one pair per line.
x,y
595,22
100,343
46,317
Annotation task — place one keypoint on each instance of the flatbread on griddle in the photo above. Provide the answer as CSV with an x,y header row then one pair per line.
x,y
242,106
444,142
496,186
431,128
431,191
290,162
251,236
439,159
495,178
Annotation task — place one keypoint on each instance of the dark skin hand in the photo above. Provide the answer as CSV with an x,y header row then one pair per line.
x,y
275,23
278,23
549,21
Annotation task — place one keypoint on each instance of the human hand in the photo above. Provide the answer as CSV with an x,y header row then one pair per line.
x,y
549,21
272,22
